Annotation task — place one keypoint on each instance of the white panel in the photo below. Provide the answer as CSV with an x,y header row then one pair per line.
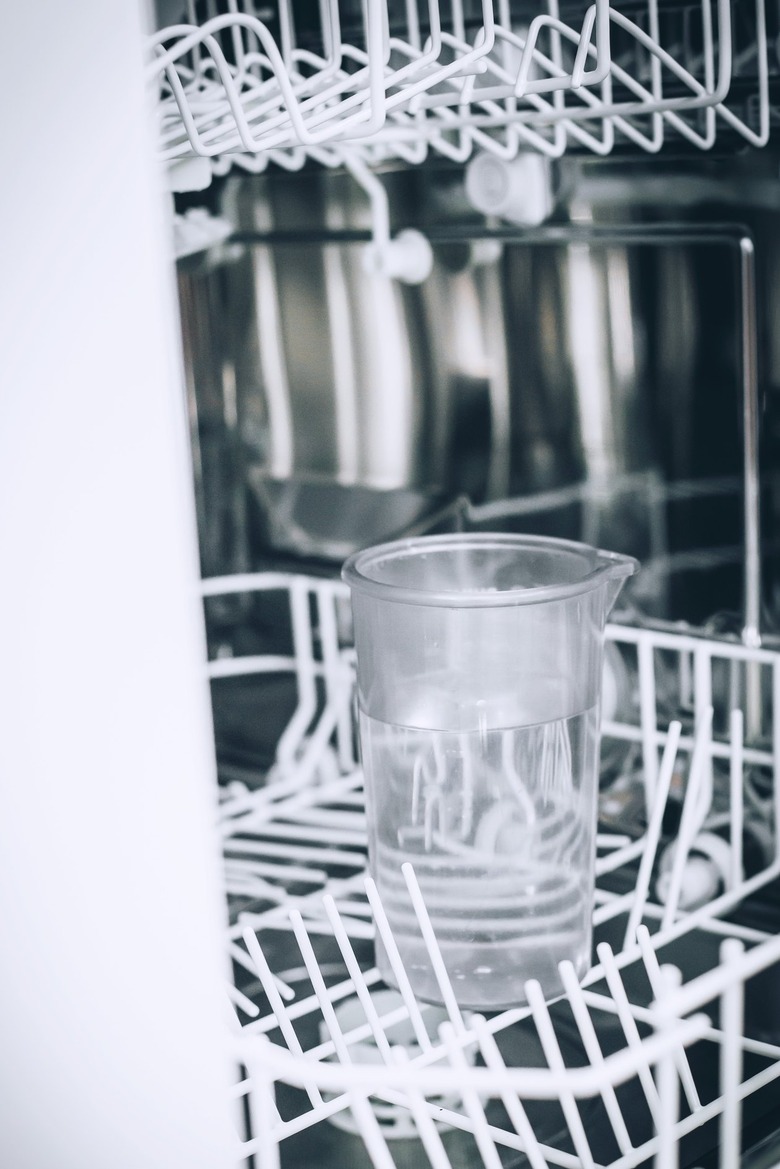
x,y
110,899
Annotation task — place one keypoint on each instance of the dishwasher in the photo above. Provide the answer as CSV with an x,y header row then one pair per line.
x,y
283,280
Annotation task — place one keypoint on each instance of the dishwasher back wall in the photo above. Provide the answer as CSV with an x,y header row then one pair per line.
x,y
332,407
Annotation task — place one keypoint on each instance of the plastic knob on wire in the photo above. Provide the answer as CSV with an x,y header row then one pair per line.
x,y
705,873
408,258
197,230
701,883
518,190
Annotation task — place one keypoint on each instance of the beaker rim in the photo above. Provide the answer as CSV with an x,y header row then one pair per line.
x,y
563,568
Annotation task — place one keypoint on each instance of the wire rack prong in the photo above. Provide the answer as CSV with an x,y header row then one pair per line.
x,y
633,1039
512,1102
472,1104
432,946
356,974
731,1057
668,1088
660,984
429,1134
592,1047
396,963
552,1052
653,833
696,804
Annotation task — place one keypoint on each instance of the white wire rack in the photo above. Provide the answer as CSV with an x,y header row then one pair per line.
x,y
248,83
626,1064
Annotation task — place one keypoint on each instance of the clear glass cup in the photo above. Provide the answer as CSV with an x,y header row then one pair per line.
x,y
479,662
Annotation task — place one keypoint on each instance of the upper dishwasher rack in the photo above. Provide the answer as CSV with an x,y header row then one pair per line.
x,y
251,82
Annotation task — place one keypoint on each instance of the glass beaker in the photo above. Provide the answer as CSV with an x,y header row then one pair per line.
x,y
479,661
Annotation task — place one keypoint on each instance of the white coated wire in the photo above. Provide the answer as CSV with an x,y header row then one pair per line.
x,y
250,83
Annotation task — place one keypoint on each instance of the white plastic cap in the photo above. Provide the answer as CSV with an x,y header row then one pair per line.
x,y
189,174
408,258
197,230
519,190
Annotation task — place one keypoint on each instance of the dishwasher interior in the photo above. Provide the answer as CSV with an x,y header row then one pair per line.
x,y
617,1071
598,364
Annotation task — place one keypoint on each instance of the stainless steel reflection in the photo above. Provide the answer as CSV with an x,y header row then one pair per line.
x,y
587,353
212,382
495,376
335,370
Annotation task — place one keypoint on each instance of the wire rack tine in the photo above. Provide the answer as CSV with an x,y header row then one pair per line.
x,y
426,1127
731,1022
291,739
360,1106
371,1132
514,1107
278,1007
552,1053
471,1102
356,974
668,1088
655,975
653,834
594,1053
263,1116
628,1023
736,794
396,964
698,796
432,946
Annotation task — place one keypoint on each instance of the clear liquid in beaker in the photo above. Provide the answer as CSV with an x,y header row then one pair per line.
x,y
499,826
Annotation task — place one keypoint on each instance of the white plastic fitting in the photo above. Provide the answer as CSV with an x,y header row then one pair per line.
x,y
197,230
518,190
192,173
705,874
408,258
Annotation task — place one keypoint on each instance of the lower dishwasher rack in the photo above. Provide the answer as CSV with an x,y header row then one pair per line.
x,y
667,1052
